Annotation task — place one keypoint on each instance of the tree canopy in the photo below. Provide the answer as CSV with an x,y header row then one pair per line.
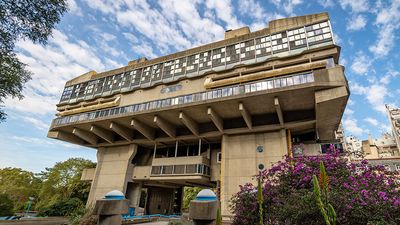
x,y
62,182
19,185
21,20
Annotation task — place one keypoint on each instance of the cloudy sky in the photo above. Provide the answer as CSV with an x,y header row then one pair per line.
x,y
102,34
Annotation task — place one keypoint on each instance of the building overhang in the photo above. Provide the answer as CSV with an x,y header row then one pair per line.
x,y
316,105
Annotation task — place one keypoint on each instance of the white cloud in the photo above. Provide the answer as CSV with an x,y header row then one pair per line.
x,y
371,121
224,11
375,95
42,141
254,10
348,111
144,50
54,64
356,23
385,79
361,63
287,5
388,21
326,3
351,127
355,5
74,8
41,125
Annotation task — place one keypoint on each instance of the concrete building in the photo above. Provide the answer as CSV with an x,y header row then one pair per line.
x,y
353,148
383,147
394,119
210,116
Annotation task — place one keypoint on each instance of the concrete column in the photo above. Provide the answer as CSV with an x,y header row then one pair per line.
x,y
241,160
133,193
113,171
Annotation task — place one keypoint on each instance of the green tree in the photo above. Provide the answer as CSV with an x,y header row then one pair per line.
x,y
19,185
189,193
6,205
23,19
62,182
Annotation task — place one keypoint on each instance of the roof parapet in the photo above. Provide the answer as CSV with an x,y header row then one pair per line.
x,y
236,32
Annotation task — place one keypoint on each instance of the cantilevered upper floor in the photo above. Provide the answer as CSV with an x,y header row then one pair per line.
x,y
285,76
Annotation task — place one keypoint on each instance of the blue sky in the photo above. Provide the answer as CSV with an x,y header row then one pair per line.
x,y
102,34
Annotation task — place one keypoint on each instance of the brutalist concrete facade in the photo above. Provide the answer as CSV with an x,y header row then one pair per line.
x,y
211,116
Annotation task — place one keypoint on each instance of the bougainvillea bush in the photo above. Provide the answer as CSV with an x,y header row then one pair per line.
x,y
360,193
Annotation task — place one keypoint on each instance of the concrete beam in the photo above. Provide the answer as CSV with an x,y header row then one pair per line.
x,y
144,129
167,127
64,136
216,119
246,116
279,111
85,135
122,131
189,123
103,133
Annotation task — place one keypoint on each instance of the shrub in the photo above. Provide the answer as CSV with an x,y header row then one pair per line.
x,y
63,208
6,205
83,216
359,193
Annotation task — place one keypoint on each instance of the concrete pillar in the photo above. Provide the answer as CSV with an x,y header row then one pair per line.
x,y
133,193
113,171
241,160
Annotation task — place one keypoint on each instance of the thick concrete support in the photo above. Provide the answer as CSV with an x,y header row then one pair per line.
x,y
113,171
133,193
84,135
216,119
167,127
242,150
122,131
279,111
110,211
246,116
147,131
328,103
189,123
103,133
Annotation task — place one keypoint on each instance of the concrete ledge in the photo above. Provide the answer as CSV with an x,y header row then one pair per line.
x,y
37,221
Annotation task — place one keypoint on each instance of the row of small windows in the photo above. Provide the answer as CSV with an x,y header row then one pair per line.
x,y
261,85
279,44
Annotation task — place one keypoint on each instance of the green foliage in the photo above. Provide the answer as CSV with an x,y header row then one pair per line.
x,y
189,193
19,185
23,19
63,208
6,205
260,200
322,199
63,182
83,216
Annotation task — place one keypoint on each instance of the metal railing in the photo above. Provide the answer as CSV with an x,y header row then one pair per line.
x,y
191,169
241,89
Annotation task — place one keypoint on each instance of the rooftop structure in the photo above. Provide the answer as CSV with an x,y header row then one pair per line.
x,y
210,116
383,147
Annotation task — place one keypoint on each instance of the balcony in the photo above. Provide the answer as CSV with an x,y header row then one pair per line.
x,y
218,93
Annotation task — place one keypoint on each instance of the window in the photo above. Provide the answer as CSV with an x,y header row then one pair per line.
x,y
219,157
